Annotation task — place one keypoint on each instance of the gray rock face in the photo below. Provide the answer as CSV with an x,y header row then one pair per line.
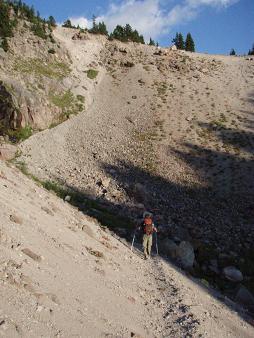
x,y
233,274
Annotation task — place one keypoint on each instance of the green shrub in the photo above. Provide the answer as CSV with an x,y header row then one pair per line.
x,y
20,134
92,74
81,98
63,100
39,29
68,103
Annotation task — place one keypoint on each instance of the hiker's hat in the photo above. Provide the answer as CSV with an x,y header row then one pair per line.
x,y
147,214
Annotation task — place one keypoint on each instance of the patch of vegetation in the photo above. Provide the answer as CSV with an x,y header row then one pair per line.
x,y
92,73
39,67
63,101
39,29
20,134
81,98
68,103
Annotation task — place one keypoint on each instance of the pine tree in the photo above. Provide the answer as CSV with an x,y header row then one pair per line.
x,y
52,21
118,33
251,51
178,41
126,34
151,42
67,24
181,44
141,39
94,29
102,29
128,31
189,43
232,52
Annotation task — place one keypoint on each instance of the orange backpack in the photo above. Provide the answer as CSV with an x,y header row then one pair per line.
x,y
148,226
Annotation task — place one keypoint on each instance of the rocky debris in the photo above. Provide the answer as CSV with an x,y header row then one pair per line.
x,y
16,219
31,254
80,36
104,182
213,266
233,274
7,151
127,64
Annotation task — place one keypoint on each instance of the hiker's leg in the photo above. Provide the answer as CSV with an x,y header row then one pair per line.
x,y
145,239
149,244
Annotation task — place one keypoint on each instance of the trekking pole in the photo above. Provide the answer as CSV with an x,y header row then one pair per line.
x,y
156,241
133,240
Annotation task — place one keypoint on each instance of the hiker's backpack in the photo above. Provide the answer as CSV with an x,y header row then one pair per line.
x,y
148,226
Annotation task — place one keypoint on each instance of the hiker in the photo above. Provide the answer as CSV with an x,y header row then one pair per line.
x,y
148,229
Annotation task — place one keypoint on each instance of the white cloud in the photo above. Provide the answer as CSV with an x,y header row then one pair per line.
x,y
145,16
149,17
81,21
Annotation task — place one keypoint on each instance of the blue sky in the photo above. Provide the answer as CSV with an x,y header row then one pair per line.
x,y
216,25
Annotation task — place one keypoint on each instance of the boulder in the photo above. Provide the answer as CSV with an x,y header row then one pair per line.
x,y
233,274
244,297
169,247
7,151
185,254
67,198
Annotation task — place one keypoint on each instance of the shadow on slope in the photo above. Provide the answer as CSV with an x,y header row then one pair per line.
x,y
217,215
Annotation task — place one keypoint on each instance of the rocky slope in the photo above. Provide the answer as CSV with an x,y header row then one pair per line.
x,y
170,132
165,131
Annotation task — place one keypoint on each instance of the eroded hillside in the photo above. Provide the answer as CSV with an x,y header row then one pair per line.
x,y
166,131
